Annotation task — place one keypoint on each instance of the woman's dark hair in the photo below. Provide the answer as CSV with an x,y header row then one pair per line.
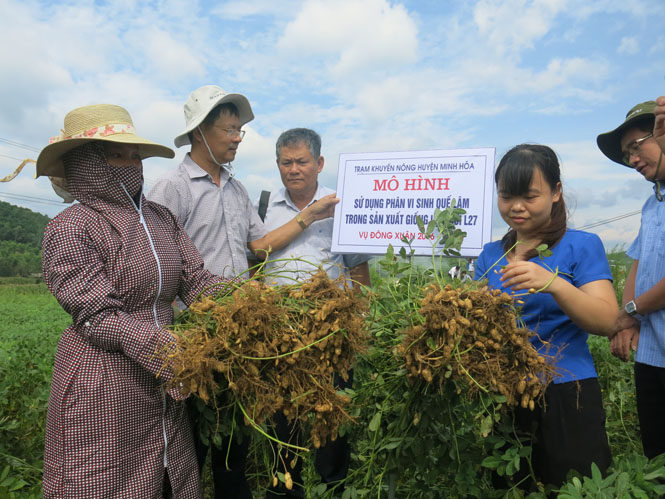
x,y
513,176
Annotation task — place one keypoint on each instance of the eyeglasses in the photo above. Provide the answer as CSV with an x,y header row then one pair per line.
x,y
634,148
232,133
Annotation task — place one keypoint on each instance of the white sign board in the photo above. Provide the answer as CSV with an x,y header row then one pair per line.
x,y
383,193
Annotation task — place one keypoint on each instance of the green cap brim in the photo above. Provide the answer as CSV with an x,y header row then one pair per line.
x,y
610,143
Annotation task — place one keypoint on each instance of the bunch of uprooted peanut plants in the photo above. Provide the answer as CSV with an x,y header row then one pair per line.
x,y
471,333
264,349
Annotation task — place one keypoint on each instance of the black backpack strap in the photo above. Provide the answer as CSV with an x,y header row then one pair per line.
x,y
263,204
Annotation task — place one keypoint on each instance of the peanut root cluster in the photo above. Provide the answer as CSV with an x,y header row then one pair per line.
x,y
274,349
470,335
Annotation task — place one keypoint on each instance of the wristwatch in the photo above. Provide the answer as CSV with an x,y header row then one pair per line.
x,y
630,308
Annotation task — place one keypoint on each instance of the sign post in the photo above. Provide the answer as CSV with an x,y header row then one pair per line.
x,y
382,194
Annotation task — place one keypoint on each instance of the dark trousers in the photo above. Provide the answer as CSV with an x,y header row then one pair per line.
x,y
650,391
229,482
567,432
331,462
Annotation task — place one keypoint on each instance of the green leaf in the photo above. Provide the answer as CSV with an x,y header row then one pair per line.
x,y
491,462
375,422
320,489
501,399
393,444
420,224
200,404
486,425
209,415
543,251
18,484
654,475
430,227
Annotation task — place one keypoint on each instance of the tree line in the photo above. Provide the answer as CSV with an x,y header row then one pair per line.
x,y
21,232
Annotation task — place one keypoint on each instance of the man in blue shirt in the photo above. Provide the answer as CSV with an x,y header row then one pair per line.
x,y
641,323
299,161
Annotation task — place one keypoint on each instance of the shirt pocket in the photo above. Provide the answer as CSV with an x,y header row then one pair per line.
x,y
236,222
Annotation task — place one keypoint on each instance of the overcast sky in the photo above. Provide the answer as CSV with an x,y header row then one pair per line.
x,y
370,75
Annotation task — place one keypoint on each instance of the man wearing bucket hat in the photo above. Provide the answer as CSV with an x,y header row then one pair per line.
x,y
203,194
217,213
641,323
115,262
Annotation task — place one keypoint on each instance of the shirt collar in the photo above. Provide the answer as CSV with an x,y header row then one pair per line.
x,y
195,171
282,197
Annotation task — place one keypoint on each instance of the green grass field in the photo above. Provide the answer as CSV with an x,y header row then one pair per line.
x,y
31,322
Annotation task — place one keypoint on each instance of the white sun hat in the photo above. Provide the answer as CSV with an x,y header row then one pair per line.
x,y
203,100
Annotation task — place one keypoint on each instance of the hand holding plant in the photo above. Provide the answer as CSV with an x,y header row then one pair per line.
x,y
527,275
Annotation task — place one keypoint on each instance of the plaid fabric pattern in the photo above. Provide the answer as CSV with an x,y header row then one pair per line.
x,y
111,427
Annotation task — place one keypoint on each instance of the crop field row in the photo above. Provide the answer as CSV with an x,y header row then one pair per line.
x,y
30,325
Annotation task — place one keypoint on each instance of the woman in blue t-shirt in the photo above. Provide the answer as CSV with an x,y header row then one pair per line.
x,y
575,298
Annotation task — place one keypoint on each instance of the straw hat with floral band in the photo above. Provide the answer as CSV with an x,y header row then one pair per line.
x,y
104,122
199,105
610,143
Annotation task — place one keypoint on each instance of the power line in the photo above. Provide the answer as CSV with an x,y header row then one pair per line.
x,y
609,220
18,144
10,157
30,199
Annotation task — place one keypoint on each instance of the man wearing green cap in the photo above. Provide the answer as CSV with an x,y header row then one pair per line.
x,y
640,325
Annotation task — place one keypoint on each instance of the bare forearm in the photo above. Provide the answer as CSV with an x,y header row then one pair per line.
x,y
629,286
282,236
592,307
651,300
276,239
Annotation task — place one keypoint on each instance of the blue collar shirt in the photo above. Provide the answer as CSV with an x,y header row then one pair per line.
x,y
649,249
